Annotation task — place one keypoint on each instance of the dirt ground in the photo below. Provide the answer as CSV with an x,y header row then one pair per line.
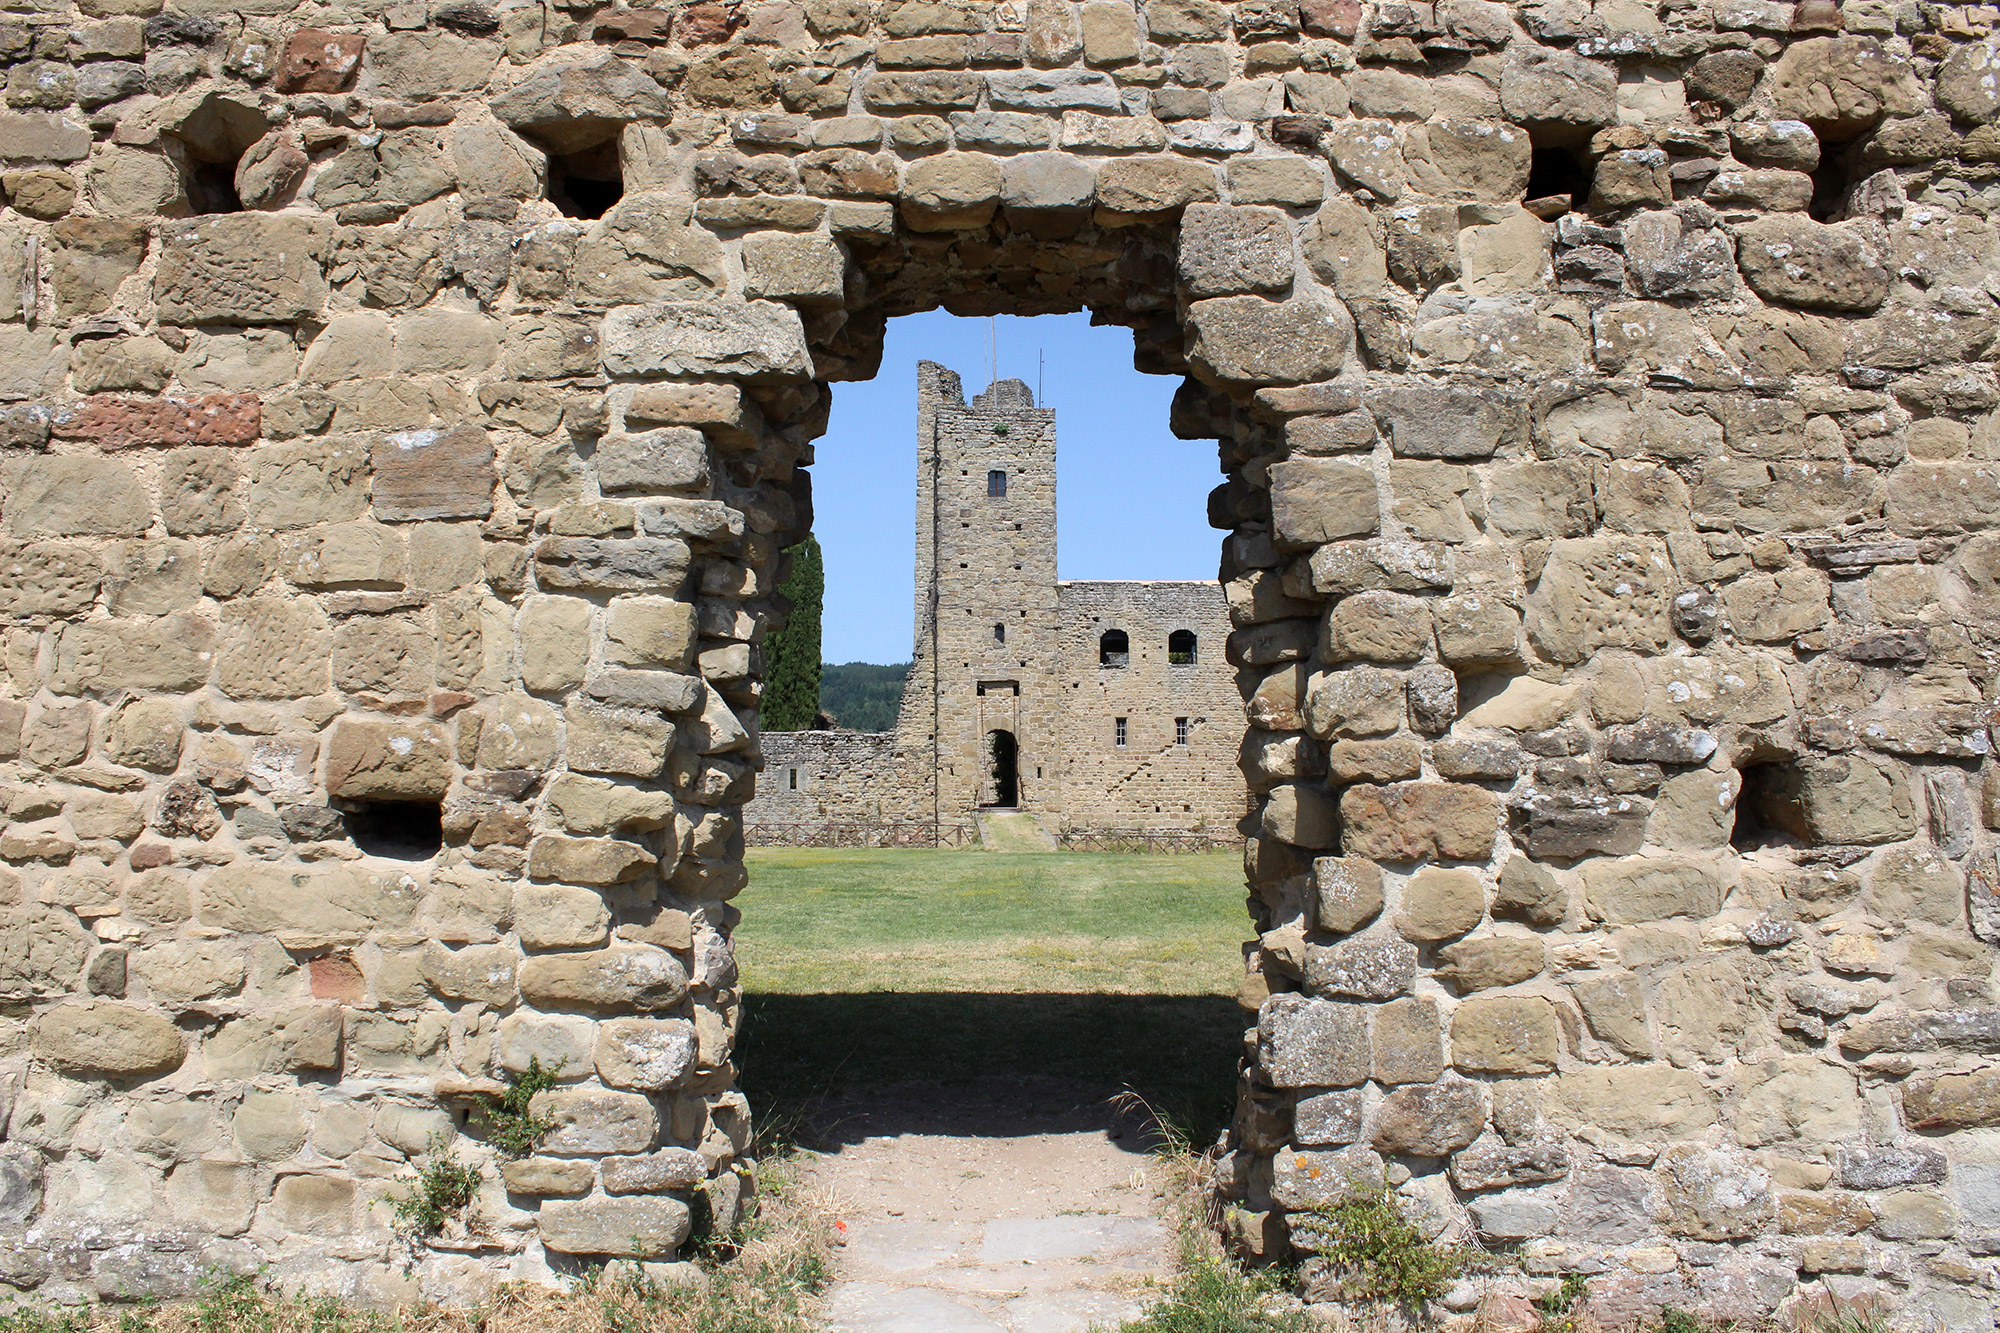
x,y
993,1207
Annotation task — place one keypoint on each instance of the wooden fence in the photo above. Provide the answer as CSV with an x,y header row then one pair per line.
x,y
1152,842
823,833
861,833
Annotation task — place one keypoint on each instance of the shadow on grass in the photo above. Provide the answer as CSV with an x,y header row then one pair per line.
x,y
823,1070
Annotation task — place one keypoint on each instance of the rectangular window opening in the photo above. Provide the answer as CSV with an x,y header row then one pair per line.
x,y
1180,731
996,484
1118,732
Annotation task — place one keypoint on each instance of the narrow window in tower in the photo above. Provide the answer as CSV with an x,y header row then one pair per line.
x,y
996,484
1180,731
1118,732
999,634
794,773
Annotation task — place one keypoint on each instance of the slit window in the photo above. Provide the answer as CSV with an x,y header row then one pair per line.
x,y
996,484
999,634
1180,731
1180,648
793,774
398,830
1114,649
1118,732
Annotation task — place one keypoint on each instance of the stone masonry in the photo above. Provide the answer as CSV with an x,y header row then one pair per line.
x,y
1096,738
405,406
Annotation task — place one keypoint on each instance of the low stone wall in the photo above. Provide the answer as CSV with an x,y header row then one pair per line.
x,y
817,783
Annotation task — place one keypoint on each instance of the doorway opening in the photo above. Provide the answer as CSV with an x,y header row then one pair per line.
x,y
1003,754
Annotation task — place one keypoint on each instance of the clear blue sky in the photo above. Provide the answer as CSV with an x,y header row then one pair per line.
x,y
1132,499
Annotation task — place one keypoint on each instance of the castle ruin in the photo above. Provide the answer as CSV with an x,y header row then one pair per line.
x,y
405,407
1096,706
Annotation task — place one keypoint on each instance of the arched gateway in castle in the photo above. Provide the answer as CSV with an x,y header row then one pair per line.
x,y
404,409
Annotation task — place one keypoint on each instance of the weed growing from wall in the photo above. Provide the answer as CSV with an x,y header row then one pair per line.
x,y
1381,1256
511,1127
442,1193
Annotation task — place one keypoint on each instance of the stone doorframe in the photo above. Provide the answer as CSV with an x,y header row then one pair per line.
x,y
1544,543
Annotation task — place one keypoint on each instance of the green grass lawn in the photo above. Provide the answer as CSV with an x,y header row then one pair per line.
x,y
1107,971
818,921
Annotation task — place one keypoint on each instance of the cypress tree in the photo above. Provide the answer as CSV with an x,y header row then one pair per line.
x,y
791,655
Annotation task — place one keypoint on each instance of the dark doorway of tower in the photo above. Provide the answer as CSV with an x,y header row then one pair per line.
x,y
1004,778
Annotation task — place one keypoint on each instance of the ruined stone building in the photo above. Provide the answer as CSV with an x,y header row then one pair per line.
x,y
405,406
1095,706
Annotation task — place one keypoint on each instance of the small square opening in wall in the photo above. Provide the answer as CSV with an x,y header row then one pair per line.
x,y
585,184
398,830
211,188
1770,808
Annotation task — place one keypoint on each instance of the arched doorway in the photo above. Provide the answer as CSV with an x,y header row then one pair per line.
x,y
1003,776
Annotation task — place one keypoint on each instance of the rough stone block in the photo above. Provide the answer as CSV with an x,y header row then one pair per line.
x,y
1316,500
1429,1119
388,760
1348,893
327,904
644,564
621,977
123,423
590,1121
1638,889
108,1039
639,1227
1308,1180
73,496
1369,967
1439,903
1226,250
595,861
645,1053
754,342
242,268
1953,1101
431,474
1506,1035
1411,821
1250,340
1308,1043
674,458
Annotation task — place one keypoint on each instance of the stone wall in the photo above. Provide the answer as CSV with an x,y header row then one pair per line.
x,y
815,779
1605,401
1158,779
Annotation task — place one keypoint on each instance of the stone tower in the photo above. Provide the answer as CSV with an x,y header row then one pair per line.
x,y
986,640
